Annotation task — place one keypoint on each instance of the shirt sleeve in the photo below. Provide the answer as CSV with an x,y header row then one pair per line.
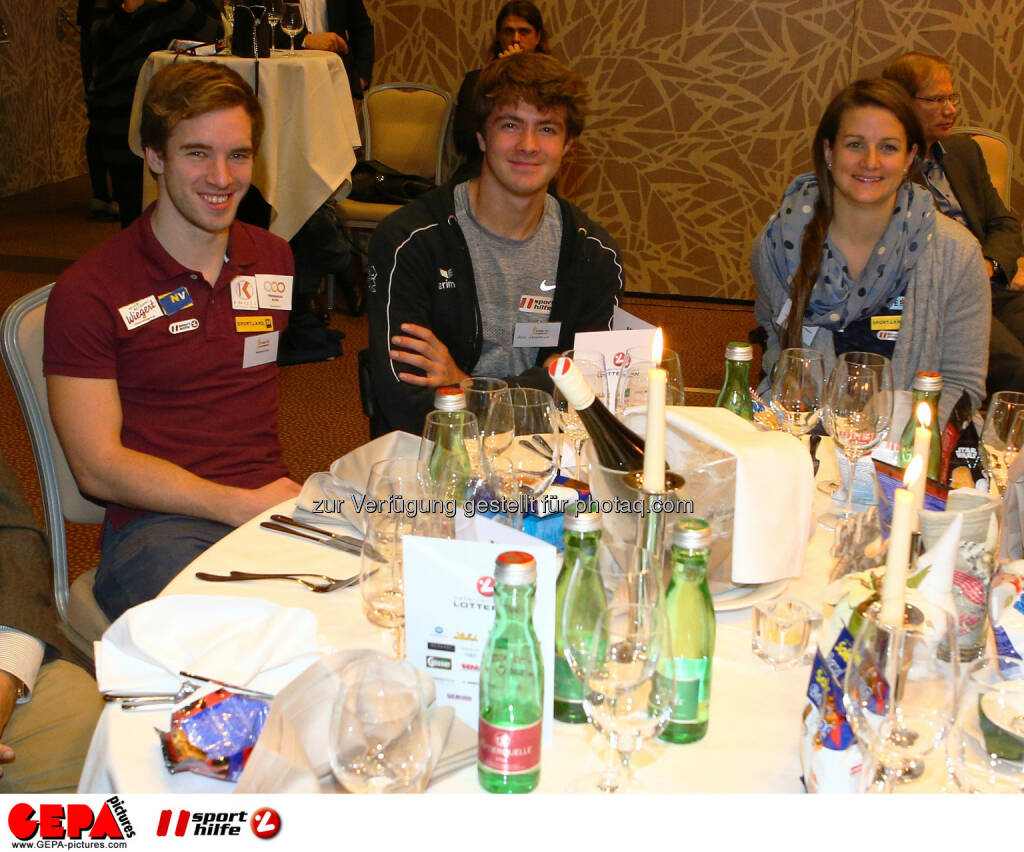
x,y
21,655
79,336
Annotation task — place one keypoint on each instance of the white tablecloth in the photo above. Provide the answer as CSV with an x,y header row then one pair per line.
x,y
752,740
306,153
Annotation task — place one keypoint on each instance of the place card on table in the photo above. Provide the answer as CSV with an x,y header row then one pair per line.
x,y
614,345
449,609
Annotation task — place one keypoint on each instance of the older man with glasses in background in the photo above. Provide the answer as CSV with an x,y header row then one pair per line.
x,y
955,172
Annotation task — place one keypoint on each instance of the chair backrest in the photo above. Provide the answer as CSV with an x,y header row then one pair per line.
x,y
21,346
406,125
998,154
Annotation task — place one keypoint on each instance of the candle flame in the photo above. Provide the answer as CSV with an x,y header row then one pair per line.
x,y
924,414
657,344
913,471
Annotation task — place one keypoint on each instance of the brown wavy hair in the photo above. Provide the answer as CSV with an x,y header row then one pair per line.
x,y
874,92
913,70
184,90
528,12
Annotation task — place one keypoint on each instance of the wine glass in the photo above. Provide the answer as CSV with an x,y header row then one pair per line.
x,y
986,747
900,691
628,687
379,739
481,392
521,448
634,380
670,363
291,24
797,390
227,13
857,411
1002,409
595,371
274,10
450,462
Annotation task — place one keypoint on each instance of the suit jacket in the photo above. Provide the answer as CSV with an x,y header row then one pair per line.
x,y
347,18
996,228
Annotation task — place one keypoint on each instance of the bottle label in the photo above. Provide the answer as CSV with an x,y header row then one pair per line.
x,y
567,685
692,688
509,751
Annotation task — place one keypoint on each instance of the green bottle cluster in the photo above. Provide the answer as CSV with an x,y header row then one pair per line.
x,y
511,683
582,537
927,388
735,393
691,623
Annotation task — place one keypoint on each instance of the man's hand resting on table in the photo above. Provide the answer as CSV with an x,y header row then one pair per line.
x,y
428,354
325,41
252,501
8,696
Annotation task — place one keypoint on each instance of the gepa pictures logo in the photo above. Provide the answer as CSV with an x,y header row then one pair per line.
x,y
71,822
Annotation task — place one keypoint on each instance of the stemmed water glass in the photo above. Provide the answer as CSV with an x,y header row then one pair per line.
x,y
857,411
797,390
628,687
1002,409
274,9
450,462
481,393
379,739
900,692
595,371
291,24
631,390
227,13
521,448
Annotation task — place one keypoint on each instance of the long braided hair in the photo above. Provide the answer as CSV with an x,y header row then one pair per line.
x,y
874,92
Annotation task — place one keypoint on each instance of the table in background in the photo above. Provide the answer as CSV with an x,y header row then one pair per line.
x,y
310,129
752,745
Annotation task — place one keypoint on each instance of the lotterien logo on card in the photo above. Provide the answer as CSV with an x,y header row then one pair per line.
x,y
535,304
140,312
183,326
243,293
250,324
274,292
176,300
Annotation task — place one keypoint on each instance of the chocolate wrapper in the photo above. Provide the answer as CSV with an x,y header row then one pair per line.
x,y
213,735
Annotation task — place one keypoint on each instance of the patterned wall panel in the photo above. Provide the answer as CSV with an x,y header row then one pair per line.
x,y
703,110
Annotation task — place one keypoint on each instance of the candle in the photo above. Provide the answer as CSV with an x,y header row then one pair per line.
x,y
922,449
654,449
894,583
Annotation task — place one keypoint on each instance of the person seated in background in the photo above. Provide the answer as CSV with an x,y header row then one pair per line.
x,y
123,36
856,257
160,346
461,278
342,27
955,172
48,706
518,28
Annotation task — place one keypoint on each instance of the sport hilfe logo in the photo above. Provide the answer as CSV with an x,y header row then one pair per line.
x,y
264,823
55,822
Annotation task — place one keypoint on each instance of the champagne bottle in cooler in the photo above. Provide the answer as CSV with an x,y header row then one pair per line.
x,y
691,624
617,446
735,392
580,573
511,683
927,388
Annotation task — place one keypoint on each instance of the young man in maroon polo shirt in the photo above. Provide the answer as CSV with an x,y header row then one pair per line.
x,y
160,346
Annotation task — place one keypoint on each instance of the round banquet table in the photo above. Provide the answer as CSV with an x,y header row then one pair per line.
x,y
752,744
306,154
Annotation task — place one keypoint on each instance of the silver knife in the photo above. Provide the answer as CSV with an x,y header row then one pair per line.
x,y
357,543
351,549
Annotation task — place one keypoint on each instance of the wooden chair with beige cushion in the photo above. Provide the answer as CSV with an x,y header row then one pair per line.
x,y
998,154
21,346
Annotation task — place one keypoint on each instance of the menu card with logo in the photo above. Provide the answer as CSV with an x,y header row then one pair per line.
x,y
614,345
449,609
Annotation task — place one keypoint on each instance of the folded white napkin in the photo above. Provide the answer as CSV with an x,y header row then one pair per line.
x,y
774,491
247,642
291,753
328,497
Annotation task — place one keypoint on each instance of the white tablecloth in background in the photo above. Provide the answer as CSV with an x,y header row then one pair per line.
x,y
306,153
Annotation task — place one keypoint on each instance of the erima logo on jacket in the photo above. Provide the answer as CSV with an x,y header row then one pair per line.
x,y
446,281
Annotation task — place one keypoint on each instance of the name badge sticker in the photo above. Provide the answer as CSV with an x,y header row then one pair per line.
x,y
184,325
139,313
246,325
535,304
886,323
260,349
176,300
539,334
275,292
243,293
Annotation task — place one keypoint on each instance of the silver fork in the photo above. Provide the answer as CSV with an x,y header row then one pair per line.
x,y
326,584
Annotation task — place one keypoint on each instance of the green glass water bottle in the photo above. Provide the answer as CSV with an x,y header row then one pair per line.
x,y
927,388
511,683
691,623
735,393
586,601
450,468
